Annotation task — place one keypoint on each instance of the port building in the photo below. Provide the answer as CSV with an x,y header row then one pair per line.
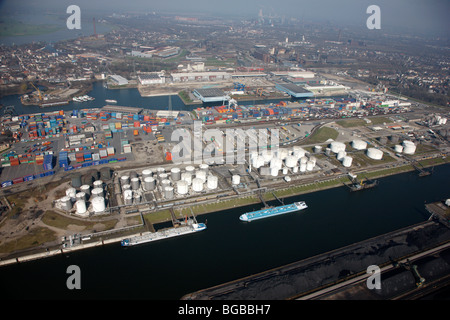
x,y
210,95
200,76
151,78
294,90
118,80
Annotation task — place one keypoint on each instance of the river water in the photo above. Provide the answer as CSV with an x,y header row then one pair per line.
x,y
230,249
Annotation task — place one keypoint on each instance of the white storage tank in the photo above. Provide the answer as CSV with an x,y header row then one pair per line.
x,y
201,175
276,163
81,196
124,180
359,144
274,172
98,204
81,207
294,170
236,179
71,192
374,154
162,176
160,170
347,161
182,187
212,182
309,166
291,161
168,193
398,148
285,170
149,183
146,173
136,198
126,187
282,153
409,147
165,183
97,192
98,184
187,176
175,174
298,152
86,189
341,155
128,197
190,169
66,203
302,167
197,185
337,146
317,149
204,167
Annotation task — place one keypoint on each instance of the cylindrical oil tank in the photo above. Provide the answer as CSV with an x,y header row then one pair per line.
x,y
309,166
302,167
135,182
146,173
327,151
317,149
341,155
97,192
236,179
187,176
126,187
133,174
165,183
98,204
359,144
81,207
182,187
337,146
298,152
94,174
204,167
149,183
347,161
276,163
128,197
303,160
393,138
190,169
274,172
200,174
66,203
375,154
294,170
87,179
124,180
291,161
98,184
282,153
212,182
71,192
86,189
383,140
197,185
136,198
162,176
105,173
267,156
398,148
76,180
81,196
160,170
409,147
175,174
168,193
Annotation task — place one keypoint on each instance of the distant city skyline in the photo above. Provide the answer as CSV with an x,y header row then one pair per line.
x,y
416,15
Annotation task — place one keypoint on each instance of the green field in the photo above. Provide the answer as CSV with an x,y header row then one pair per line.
x,y
351,123
321,135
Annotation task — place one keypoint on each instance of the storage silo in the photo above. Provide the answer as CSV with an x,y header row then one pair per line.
x,y
175,174
136,198
347,161
374,154
97,192
190,169
398,148
327,151
197,185
162,176
146,173
341,155
86,189
168,193
302,167
291,161
71,192
204,167
81,196
359,144
81,207
298,152
317,149
133,174
76,180
182,187
337,146
309,166
201,175
128,197
236,179
98,184
124,180
212,182
135,182
160,170
126,187
409,147
149,183
165,183
66,203
187,176
98,204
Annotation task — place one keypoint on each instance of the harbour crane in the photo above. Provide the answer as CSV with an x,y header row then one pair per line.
x,y
39,91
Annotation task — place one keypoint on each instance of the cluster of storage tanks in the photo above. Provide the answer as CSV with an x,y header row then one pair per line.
x,y
170,184
407,147
92,192
339,149
283,160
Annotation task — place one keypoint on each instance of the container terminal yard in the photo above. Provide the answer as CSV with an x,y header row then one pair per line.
x,y
112,166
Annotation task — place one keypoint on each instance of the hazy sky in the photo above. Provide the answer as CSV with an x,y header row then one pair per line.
x,y
421,15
